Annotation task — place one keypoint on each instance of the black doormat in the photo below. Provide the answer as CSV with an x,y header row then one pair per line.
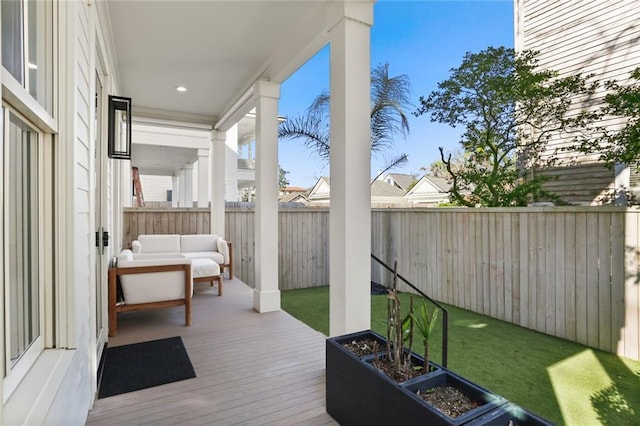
x,y
144,365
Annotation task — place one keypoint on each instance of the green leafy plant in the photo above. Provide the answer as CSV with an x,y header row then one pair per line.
x,y
510,109
425,324
400,331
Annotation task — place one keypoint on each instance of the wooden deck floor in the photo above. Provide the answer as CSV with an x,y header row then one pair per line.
x,y
252,369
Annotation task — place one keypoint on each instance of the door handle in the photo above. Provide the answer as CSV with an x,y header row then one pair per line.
x,y
102,241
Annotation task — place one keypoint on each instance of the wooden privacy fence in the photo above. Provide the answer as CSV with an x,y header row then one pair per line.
x,y
567,272
143,221
570,272
302,253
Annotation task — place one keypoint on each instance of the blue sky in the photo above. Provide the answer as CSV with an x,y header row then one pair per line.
x,y
422,39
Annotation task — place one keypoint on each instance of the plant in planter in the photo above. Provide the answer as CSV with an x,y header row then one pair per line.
x,y
398,361
359,392
425,324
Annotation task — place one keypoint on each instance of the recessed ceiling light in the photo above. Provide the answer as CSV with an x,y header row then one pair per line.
x,y
181,88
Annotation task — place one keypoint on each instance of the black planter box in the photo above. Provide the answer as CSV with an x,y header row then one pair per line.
x,y
488,401
359,394
510,414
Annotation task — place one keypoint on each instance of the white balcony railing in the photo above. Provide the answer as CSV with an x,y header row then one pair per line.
x,y
247,164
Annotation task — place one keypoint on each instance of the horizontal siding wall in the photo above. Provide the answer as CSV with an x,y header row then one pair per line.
x,y
570,272
583,183
599,38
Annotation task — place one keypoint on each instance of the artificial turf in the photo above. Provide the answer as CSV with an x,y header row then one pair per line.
x,y
565,382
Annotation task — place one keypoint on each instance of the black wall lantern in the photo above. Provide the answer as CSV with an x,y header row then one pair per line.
x,y
120,127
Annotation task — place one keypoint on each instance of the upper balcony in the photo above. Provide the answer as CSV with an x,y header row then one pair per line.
x,y
246,164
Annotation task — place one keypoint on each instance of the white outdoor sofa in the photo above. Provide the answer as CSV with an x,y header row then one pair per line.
x,y
200,246
148,282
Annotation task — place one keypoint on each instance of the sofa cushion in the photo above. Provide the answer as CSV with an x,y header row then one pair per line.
x,y
223,249
136,247
198,243
153,256
169,243
152,287
213,255
204,268
125,256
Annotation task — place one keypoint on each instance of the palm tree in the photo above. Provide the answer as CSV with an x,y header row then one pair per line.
x,y
389,99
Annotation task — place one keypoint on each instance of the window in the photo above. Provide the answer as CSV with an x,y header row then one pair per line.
x,y
27,34
22,257
27,47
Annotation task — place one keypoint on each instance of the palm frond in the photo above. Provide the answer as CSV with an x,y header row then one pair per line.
x,y
392,163
311,129
389,100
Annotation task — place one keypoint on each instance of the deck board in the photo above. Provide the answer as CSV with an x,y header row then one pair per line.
x,y
252,369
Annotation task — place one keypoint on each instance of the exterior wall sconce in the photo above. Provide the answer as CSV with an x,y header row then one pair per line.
x,y
119,127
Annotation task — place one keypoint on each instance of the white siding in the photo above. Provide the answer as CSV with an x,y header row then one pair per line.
x,y
582,36
154,188
75,393
83,213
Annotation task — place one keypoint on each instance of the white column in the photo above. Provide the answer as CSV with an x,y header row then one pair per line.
x,y
231,162
217,182
188,185
174,191
182,188
350,208
266,295
203,178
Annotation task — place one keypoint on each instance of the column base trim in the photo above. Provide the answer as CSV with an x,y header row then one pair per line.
x,y
266,301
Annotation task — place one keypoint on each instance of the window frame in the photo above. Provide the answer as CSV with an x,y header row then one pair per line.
x,y
17,99
14,374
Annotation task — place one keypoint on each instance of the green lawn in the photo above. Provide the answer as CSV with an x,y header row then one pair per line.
x,y
562,381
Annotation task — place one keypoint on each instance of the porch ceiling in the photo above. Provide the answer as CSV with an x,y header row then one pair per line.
x,y
216,49
161,160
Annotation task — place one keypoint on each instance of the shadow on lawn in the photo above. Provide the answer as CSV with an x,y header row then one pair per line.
x,y
619,403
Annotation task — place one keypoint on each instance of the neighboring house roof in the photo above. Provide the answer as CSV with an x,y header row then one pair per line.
x,y
383,189
290,189
402,181
429,190
440,182
381,192
320,190
295,197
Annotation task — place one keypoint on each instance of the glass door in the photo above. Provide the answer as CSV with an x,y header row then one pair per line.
x,y
101,232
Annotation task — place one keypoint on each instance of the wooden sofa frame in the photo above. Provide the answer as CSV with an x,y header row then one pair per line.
x,y
228,266
114,308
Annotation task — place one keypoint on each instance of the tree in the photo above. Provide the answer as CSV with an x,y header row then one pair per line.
x,y
439,169
510,109
283,182
618,144
389,100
